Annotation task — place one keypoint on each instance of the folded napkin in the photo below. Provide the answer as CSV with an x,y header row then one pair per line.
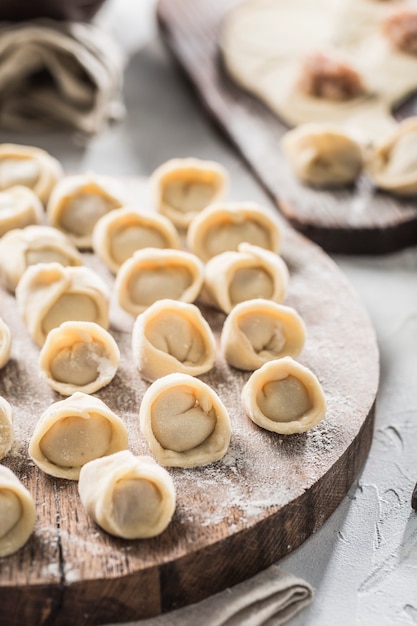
x,y
270,598
59,74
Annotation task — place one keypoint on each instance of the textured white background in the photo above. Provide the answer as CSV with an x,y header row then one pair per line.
x,y
363,561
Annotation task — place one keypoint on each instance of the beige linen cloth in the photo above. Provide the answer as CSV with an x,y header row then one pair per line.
x,y
59,74
270,598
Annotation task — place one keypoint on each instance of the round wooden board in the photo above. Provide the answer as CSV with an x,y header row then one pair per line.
x,y
355,220
234,517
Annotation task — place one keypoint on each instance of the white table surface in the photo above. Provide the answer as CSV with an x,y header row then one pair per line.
x,y
363,561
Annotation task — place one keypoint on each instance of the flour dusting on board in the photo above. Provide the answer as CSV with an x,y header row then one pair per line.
x,y
261,473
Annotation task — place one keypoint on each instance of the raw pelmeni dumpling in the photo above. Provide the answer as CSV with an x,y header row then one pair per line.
x,y
78,356
5,343
223,226
393,164
251,272
323,154
182,188
170,337
120,233
73,432
30,167
128,496
184,422
19,207
284,397
23,247
152,274
6,428
258,331
78,202
49,294
17,513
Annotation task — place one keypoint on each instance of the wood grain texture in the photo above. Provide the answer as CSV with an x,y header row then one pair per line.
x,y
357,220
234,517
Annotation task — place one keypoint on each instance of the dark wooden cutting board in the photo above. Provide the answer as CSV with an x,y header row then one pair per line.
x,y
357,220
233,518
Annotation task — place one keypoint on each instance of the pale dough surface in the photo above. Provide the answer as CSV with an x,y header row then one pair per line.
x,y
5,343
129,496
264,43
23,247
152,274
49,294
73,432
258,331
30,167
239,275
221,227
78,356
284,397
170,337
118,234
181,188
6,428
323,154
393,164
78,202
17,513
19,207
184,422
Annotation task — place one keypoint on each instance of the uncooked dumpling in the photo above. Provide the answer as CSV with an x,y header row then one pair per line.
x,y
19,207
6,428
323,155
128,496
78,356
152,274
78,202
120,233
393,164
182,188
284,397
222,227
184,422
258,331
5,343
17,513
73,432
21,248
49,294
250,272
30,167
172,336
